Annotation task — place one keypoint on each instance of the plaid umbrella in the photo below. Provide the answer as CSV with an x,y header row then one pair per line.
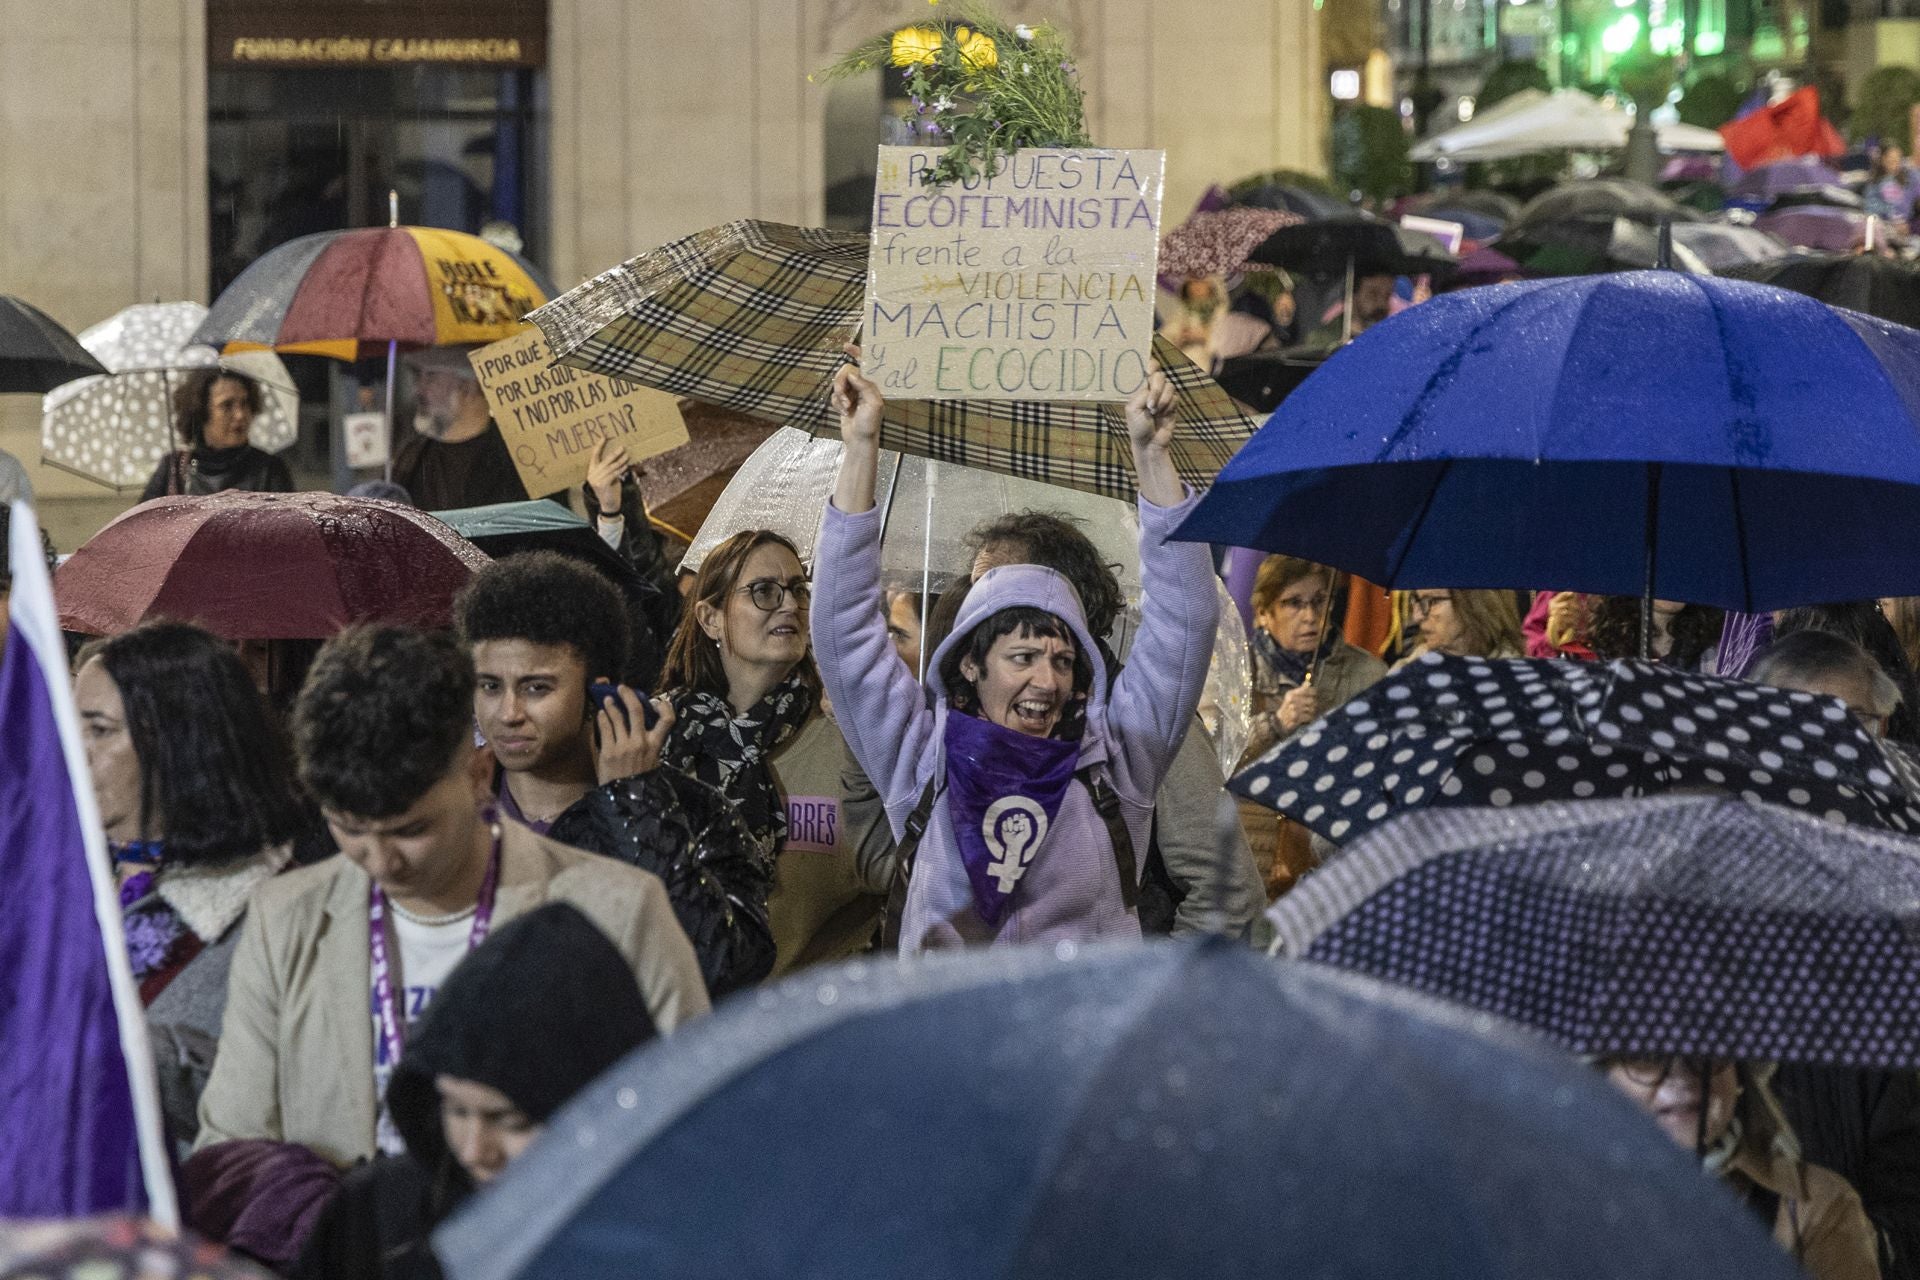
x,y
752,315
1445,732
1698,925
1216,242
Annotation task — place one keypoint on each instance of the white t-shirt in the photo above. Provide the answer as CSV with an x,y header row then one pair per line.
x,y
424,955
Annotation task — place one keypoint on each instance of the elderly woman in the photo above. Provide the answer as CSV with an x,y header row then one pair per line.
x,y
1302,669
199,808
213,413
1726,1113
1019,787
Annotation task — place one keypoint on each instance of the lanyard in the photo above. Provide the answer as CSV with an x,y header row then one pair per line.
x,y
393,1029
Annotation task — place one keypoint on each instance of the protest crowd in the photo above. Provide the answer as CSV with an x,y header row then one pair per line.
x,y
1412,763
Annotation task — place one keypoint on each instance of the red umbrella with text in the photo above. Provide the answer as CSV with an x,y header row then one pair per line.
x,y
266,566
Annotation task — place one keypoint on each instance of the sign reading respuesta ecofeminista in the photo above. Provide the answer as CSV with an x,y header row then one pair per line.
x,y
1034,284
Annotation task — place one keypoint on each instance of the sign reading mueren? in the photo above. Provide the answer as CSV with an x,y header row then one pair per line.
x,y
1034,284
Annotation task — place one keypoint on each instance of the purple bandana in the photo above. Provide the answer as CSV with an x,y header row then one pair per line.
x,y
1003,790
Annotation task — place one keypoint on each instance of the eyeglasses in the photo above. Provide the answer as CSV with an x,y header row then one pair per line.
x,y
768,595
1296,604
1650,1072
1422,605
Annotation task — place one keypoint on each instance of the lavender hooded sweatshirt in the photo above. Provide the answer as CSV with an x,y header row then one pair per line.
x,y
1072,888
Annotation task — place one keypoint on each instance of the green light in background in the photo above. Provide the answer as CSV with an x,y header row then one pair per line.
x,y
1708,43
1666,39
1619,37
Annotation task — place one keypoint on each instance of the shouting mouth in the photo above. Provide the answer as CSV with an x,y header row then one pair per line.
x,y
1033,715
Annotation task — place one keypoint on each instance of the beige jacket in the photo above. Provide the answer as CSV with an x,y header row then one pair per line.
x,y
295,1062
1820,1221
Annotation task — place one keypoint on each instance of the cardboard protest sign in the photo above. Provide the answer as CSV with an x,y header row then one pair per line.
x,y
1034,284
553,417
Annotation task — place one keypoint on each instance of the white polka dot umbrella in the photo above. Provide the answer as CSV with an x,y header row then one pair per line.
x,y
1459,732
1700,925
116,428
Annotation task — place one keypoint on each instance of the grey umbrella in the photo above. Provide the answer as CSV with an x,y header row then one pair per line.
x,y
1697,925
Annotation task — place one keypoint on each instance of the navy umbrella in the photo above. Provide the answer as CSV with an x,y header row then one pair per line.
x,y
36,354
1697,925
1166,1110
1699,439
1446,732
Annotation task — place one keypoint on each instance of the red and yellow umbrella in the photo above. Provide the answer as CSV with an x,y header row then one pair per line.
x,y
362,293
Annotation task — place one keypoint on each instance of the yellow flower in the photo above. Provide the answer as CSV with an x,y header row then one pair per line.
x,y
915,45
976,49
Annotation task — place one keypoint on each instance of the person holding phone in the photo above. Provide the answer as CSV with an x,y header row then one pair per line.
x,y
578,756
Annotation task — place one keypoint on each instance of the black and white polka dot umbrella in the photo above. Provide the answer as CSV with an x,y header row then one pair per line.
x,y
1696,925
1457,732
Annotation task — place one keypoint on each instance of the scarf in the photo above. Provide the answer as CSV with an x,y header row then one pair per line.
x,y
1275,670
156,936
729,752
1003,791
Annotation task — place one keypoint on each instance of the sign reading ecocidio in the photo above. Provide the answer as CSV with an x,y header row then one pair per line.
x,y
1034,284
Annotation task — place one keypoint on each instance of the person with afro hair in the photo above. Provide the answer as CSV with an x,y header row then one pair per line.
x,y
542,630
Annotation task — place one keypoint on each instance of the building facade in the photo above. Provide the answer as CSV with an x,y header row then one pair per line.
x,y
150,148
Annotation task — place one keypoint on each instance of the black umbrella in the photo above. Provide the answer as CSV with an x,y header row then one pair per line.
x,y
1698,925
36,354
1284,191
1590,246
1825,193
1604,198
1446,732
1357,244
1488,204
1721,245
1884,287
1265,378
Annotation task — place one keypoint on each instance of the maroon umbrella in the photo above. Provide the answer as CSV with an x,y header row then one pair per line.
x,y
266,566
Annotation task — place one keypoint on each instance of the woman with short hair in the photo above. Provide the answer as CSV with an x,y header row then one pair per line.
x,y
214,411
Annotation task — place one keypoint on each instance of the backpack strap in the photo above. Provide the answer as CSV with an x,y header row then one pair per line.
x,y
905,849
1106,802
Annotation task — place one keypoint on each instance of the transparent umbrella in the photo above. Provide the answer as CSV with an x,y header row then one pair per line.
x,y
930,508
115,428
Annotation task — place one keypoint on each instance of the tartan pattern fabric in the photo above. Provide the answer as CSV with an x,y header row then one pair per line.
x,y
752,315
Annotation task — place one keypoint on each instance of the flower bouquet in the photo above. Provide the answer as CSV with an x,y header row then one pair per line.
x,y
982,87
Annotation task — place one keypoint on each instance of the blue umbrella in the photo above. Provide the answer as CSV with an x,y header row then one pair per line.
x,y
1165,1110
1695,438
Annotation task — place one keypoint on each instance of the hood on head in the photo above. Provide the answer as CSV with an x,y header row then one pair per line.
x,y
537,1011
1014,586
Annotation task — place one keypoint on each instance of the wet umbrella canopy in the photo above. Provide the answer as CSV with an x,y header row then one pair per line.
x,y
1446,732
1604,199
1695,925
1744,447
1171,1110
266,566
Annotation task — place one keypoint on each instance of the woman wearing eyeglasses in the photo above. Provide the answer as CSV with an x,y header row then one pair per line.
x,y
1302,669
739,677
1466,624
1726,1112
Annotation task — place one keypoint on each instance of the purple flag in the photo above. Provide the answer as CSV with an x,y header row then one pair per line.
x,y
82,1129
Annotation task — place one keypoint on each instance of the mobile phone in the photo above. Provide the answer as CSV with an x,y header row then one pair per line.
x,y
598,692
